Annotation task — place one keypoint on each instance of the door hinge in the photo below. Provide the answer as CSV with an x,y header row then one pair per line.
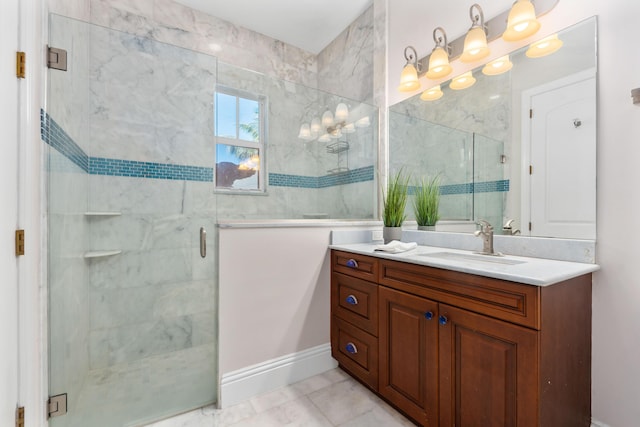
x,y
530,169
529,226
21,65
57,405
56,58
19,242
531,113
20,416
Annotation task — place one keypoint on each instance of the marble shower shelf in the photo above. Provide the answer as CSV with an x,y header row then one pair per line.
x,y
90,214
100,254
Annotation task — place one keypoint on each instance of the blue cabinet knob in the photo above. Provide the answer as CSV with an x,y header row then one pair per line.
x,y
351,348
428,315
443,320
352,263
351,299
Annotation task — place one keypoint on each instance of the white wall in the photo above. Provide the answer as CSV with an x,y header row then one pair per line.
x,y
274,293
616,294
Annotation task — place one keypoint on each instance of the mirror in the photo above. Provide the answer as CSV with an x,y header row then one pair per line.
x,y
481,141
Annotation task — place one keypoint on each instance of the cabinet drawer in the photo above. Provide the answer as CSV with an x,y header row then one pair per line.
x,y
361,266
513,302
355,350
356,301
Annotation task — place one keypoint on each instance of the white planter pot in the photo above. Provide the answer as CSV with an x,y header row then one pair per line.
x,y
391,233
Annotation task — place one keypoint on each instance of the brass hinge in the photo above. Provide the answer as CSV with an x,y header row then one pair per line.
x,y
531,113
19,242
529,226
21,64
530,169
20,416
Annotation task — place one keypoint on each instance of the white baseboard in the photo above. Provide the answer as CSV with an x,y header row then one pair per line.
x,y
240,385
596,423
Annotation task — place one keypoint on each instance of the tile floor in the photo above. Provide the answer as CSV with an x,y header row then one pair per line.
x,y
329,399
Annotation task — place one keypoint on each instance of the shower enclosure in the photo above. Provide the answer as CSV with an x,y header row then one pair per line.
x,y
131,144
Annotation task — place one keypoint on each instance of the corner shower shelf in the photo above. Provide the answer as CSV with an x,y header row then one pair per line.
x,y
100,254
92,213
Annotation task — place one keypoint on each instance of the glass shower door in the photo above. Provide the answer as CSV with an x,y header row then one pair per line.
x,y
132,301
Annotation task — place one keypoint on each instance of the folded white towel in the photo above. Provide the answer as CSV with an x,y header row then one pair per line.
x,y
396,246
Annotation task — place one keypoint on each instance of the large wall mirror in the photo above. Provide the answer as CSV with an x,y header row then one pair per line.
x,y
518,146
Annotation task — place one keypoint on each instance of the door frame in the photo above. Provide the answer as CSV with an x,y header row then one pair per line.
x,y
525,138
32,306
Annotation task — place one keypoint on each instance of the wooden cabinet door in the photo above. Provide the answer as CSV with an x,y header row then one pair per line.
x,y
488,371
408,356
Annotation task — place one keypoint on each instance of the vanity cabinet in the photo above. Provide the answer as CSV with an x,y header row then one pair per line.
x,y
456,349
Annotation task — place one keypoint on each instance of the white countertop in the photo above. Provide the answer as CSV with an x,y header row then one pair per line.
x,y
531,271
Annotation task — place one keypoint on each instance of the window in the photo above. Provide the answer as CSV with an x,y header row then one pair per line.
x,y
240,132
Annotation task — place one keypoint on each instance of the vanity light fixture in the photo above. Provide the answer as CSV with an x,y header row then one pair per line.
x,y
327,119
497,66
409,77
331,125
432,94
463,81
475,43
305,132
522,22
544,47
439,66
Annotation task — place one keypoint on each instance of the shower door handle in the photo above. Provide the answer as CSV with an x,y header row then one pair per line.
x,y
203,242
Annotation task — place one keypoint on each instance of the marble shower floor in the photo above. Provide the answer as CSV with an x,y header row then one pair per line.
x,y
329,399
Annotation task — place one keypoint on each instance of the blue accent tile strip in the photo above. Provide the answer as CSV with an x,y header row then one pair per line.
x,y
299,181
135,169
477,187
56,137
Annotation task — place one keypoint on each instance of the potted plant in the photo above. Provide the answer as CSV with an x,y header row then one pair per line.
x,y
394,202
426,202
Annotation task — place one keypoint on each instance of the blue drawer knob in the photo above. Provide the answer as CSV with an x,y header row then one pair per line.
x,y
443,320
351,348
351,299
352,263
428,315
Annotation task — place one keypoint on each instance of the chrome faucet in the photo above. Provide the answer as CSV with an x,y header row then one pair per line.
x,y
508,229
486,233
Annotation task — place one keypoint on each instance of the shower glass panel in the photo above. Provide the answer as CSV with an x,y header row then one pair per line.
x,y
132,304
490,188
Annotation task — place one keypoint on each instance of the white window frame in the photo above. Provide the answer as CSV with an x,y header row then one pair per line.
x,y
260,145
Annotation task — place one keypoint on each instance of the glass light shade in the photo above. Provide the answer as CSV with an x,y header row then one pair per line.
x,y
363,122
463,81
498,66
475,45
305,132
324,138
432,94
342,113
544,47
522,22
409,79
439,64
327,119
349,128
315,126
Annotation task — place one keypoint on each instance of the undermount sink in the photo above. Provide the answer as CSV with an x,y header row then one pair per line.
x,y
455,256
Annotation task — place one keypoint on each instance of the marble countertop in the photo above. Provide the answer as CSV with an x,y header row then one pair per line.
x,y
531,271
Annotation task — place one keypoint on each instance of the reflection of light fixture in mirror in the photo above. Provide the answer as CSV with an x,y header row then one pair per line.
x,y
463,81
342,113
522,22
432,94
544,47
315,127
363,122
439,60
349,128
305,132
498,66
475,43
324,138
327,119
409,77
